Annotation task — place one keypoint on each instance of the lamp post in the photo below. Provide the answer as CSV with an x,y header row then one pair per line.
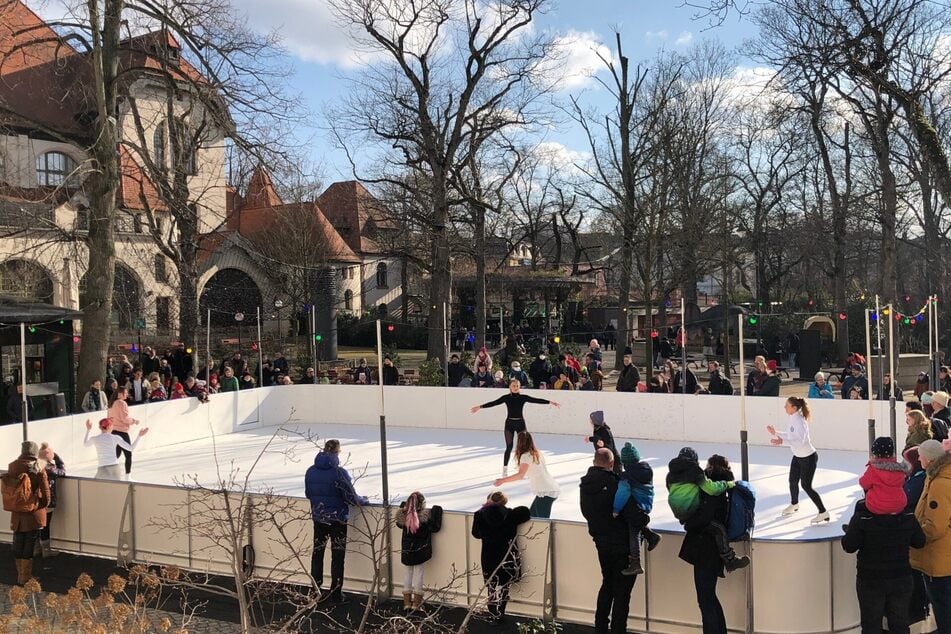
x,y
239,317
278,305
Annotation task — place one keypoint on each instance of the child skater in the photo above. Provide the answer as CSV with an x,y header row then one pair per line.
x,y
418,524
634,500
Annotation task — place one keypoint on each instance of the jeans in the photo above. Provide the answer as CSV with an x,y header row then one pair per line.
x,y
888,598
939,591
614,597
336,532
24,542
711,612
119,450
541,507
803,470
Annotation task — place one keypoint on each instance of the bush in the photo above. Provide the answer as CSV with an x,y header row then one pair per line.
x,y
431,373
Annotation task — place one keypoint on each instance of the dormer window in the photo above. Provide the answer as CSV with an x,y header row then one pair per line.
x,y
173,55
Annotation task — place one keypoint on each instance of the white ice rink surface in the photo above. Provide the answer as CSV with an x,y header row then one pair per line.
x,y
456,469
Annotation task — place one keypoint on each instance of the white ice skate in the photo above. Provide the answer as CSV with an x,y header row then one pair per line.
x,y
821,517
790,510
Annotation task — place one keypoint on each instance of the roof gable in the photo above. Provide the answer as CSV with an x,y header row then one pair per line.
x,y
261,193
25,39
356,214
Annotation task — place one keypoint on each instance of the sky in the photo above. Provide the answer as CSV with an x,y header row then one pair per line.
x,y
323,56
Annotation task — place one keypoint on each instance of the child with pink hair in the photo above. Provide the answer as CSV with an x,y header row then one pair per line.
x,y
418,524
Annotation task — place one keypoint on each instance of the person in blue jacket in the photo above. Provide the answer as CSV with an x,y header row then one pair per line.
x,y
820,388
330,490
634,500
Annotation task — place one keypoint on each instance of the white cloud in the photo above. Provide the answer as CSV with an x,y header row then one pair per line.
x,y
560,157
579,59
657,35
685,37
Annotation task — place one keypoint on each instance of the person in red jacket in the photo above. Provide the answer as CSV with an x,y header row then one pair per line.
x,y
884,480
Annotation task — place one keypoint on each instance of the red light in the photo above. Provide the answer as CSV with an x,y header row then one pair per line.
x,y
810,303
75,339
653,334
897,317
391,328
842,316
254,346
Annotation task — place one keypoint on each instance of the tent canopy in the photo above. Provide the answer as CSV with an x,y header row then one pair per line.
x,y
15,311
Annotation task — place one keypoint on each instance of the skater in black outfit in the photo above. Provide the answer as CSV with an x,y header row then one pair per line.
x,y
514,421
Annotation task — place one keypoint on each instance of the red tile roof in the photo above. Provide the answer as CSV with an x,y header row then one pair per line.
x,y
261,193
25,39
354,213
253,223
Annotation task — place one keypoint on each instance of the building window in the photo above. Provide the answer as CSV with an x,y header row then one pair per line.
x,y
343,273
158,146
161,142
54,169
348,300
161,271
163,319
381,275
82,219
125,222
350,271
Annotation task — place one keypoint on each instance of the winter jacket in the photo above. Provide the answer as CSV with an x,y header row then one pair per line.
x,y
719,384
685,481
55,469
854,381
119,416
90,404
934,515
882,543
539,371
328,487
457,372
883,483
628,379
497,527
940,422
883,394
520,376
391,376
821,392
691,382
39,481
417,548
228,384
753,381
769,386
482,380
637,483
914,486
602,433
699,549
916,437
598,490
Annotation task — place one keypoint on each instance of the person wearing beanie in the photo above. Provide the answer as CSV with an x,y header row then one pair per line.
x,y
106,444
805,458
496,526
940,416
914,485
884,480
695,499
27,520
418,524
602,438
514,402
934,514
634,501
855,379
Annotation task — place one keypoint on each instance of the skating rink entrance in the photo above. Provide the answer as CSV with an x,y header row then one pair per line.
x,y
435,445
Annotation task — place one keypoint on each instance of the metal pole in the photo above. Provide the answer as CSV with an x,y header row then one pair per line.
x,y
387,534
683,345
938,361
445,338
871,408
260,350
891,372
24,408
928,308
878,335
744,436
313,333
208,344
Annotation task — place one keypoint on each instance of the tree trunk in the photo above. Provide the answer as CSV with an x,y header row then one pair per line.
x,y
481,309
440,277
624,294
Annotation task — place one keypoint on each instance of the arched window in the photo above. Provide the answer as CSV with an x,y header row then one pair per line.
x,y
348,300
26,281
381,275
158,146
54,169
184,141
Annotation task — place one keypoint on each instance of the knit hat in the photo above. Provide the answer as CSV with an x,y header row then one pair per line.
x,y
629,454
930,449
516,365
29,448
883,447
689,454
597,418
941,398
771,365
926,398
911,457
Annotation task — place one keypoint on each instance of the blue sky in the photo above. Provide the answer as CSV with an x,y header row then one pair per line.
x,y
323,55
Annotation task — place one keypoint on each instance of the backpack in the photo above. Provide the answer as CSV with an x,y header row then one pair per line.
x,y
17,492
741,517
939,429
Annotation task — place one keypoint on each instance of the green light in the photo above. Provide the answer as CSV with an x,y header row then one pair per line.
x,y
753,320
318,338
906,321
32,328
61,322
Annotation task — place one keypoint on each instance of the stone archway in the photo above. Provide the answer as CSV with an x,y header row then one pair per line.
x,y
227,292
26,280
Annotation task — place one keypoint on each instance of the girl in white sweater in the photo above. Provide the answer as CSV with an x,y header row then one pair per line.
x,y
105,444
805,457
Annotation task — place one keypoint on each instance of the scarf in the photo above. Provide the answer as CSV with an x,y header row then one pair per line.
x,y
412,516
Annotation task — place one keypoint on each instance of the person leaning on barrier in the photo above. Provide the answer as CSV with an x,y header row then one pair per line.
x,y
27,511
330,490
820,388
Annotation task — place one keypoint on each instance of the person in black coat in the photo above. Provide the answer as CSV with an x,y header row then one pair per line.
x,y
497,526
719,384
540,370
603,438
457,371
884,582
691,380
629,377
391,376
771,381
598,488
418,524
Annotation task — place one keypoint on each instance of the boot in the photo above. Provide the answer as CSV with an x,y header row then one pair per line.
x,y
650,538
47,550
730,561
408,598
633,565
736,563
417,601
37,549
27,570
